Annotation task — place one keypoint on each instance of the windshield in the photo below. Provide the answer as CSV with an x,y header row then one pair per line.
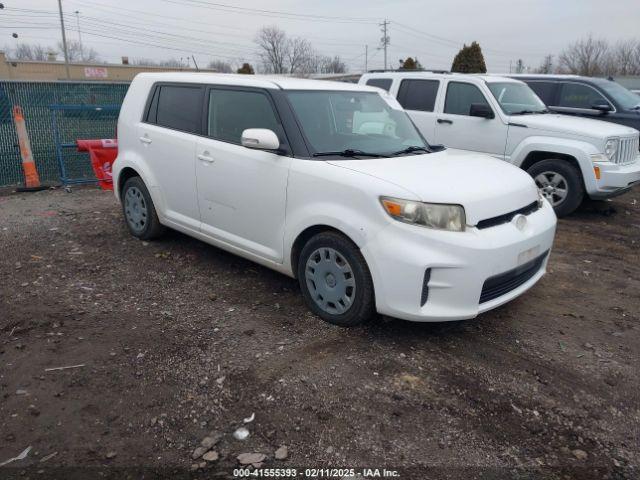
x,y
623,97
516,98
334,121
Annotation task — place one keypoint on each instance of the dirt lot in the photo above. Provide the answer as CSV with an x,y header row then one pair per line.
x,y
179,340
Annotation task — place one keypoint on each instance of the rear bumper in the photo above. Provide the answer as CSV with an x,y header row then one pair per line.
x,y
615,179
459,263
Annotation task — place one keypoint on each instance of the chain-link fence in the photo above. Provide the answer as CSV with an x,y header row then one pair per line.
x,y
38,101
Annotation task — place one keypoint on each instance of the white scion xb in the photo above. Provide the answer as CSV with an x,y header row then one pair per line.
x,y
330,183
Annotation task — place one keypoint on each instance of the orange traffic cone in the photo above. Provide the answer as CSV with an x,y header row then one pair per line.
x,y
31,178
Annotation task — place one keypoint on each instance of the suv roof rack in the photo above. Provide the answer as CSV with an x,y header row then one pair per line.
x,y
429,70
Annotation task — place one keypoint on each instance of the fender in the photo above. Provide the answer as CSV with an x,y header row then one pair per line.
x,y
577,149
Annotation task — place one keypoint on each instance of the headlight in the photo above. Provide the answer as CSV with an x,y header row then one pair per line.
x,y
610,148
431,215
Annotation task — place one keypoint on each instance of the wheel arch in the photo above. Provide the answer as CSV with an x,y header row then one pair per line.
x,y
125,174
303,237
536,156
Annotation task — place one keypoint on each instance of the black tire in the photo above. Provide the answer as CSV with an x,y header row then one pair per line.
x,y
362,306
148,225
572,179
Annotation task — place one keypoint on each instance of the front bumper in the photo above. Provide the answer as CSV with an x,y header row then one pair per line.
x,y
615,179
459,263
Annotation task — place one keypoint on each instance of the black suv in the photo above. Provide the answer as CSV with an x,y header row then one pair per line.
x,y
586,97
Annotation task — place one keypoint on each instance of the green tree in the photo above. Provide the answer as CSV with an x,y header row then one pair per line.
x,y
469,60
410,64
246,68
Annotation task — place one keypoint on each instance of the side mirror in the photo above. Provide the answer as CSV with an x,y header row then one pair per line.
x,y
481,110
602,107
260,139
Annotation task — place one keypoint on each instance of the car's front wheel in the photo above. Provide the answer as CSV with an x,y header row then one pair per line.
x,y
335,280
560,183
139,211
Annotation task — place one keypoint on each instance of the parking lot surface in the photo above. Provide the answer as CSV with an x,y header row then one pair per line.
x,y
172,341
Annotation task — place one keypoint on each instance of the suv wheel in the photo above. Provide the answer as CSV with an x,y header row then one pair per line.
x,y
560,183
335,280
139,212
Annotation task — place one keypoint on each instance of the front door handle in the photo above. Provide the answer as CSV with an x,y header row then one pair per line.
x,y
146,140
444,120
205,157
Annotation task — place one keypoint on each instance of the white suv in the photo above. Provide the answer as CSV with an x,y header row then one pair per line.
x,y
333,184
503,117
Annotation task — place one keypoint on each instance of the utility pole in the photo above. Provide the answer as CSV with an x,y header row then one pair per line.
x,y
384,41
366,58
64,41
77,12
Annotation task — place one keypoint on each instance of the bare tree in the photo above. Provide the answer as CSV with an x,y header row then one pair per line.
x,y
546,66
33,52
299,56
585,57
333,65
220,66
626,56
520,66
78,53
274,49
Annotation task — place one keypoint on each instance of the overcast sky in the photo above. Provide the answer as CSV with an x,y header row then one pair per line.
x,y
431,30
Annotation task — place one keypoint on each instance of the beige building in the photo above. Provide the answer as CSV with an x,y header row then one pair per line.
x,y
30,70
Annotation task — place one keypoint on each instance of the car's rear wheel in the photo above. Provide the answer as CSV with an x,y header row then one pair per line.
x,y
335,280
560,183
139,212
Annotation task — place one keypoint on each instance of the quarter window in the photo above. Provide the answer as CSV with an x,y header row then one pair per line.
x,y
383,83
177,107
418,94
233,111
545,90
576,95
460,97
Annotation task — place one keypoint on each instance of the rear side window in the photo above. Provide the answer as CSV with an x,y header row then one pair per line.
x,y
233,111
545,90
177,107
418,94
460,96
576,95
384,83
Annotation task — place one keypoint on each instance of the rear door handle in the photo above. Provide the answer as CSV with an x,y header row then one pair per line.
x,y
443,120
146,140
205,157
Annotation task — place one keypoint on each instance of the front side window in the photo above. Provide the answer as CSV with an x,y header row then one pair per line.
x,y
460,97
383,83
334,121
516,98
576,95
418,94
231,112
177,107
623,97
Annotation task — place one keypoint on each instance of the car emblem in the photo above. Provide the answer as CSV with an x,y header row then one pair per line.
x,y
520,221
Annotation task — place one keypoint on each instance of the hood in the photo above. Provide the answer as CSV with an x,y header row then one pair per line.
x,y
582,127
484,186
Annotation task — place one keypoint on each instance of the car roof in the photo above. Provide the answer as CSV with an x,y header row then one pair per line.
x,y
489,78
260,81
546,76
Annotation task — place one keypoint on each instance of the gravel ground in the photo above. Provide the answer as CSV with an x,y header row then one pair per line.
x,y
174,341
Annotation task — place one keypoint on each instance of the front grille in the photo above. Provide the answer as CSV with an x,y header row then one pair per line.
x,y
507,217
504,283
627,151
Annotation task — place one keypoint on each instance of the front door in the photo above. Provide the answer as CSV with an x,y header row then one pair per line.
x,y
455,128
241,191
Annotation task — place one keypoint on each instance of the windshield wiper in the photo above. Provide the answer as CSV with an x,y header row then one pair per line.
x,y
349,152
412,148
529,112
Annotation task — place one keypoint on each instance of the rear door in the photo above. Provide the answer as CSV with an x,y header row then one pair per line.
x,y
456,129
168,137
418,98
241,191
547,91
